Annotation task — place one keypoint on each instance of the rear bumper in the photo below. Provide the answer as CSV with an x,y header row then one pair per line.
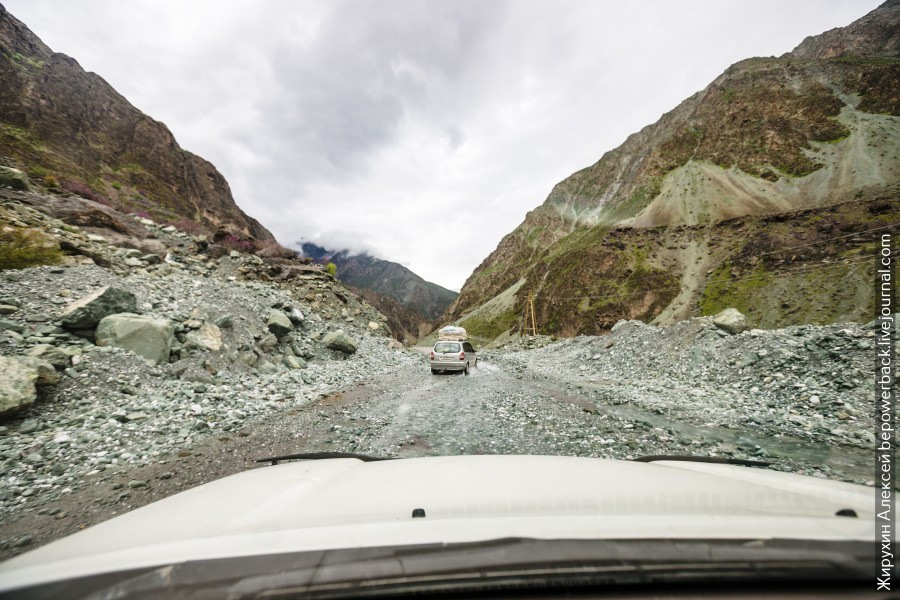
x,y
448,365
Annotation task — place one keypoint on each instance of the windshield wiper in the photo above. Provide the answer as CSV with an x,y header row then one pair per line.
x,y
274,460
703,459
650,458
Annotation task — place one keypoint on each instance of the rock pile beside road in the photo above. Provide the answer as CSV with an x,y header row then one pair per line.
x,y
809,383
114,366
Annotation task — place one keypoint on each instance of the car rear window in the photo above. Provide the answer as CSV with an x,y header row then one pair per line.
x,y
446,347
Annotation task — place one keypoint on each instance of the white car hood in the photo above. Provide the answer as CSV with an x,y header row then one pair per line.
x,y
347,503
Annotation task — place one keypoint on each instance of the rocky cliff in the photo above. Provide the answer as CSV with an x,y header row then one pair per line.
x,y
69,130
658,229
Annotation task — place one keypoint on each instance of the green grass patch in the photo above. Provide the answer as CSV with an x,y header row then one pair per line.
x,y
489,328
21,248
724,291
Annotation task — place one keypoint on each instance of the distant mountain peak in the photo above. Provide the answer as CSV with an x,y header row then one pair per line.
x,y
364,271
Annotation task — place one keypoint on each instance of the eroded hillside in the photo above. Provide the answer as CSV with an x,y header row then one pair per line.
x,y
659,228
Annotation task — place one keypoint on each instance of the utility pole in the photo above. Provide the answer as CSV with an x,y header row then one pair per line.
x,y
529,315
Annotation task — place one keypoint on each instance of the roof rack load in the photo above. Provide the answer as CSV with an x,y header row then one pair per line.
x,y
451,333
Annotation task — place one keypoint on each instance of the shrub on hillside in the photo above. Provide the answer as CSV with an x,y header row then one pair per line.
x,y
80,189
20,248
331,268
190,227
235,243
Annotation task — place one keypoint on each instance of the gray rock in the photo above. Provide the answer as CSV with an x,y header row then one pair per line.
x,y
266,368
293,362
55,356
89,310
14,178
731,320
47,374
17,386
10,326
267,342
145,336
8,309
29,426
195,374
296,316
207,337
278,323
225,322
338,340
151,259
134,262
34,459
248,357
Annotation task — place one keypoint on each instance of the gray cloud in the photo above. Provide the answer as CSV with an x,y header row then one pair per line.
x,y
374,125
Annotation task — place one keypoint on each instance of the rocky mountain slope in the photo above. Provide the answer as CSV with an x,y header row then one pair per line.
x,y
129,349
69,130
385,278
771,180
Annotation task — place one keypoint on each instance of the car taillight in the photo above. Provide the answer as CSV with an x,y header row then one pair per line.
x,y
432,356
462,356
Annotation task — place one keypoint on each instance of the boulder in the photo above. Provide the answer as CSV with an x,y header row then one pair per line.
x,y
17,386
14,178
338,340
143,335
86,312
55,356
11,326
46,372
293,362
208,337
266,368
731,320
278,323
267,343
296,317
225,322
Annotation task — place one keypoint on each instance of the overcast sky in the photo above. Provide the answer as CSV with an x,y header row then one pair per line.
x,y
391,125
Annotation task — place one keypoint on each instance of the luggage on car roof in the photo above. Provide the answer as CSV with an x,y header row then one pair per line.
x,y
452,333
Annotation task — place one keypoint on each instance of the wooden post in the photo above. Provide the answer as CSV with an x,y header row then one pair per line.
x,y
529,314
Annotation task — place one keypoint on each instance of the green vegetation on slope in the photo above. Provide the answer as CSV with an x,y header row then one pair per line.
x,y
21,248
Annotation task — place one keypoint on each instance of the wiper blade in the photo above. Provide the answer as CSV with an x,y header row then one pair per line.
x,y
721,460
319,456
650,458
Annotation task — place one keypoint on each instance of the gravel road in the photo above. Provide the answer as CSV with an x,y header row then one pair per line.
x,y
515,402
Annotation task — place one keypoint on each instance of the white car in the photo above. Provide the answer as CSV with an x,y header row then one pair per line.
x,y
452,355
462,525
